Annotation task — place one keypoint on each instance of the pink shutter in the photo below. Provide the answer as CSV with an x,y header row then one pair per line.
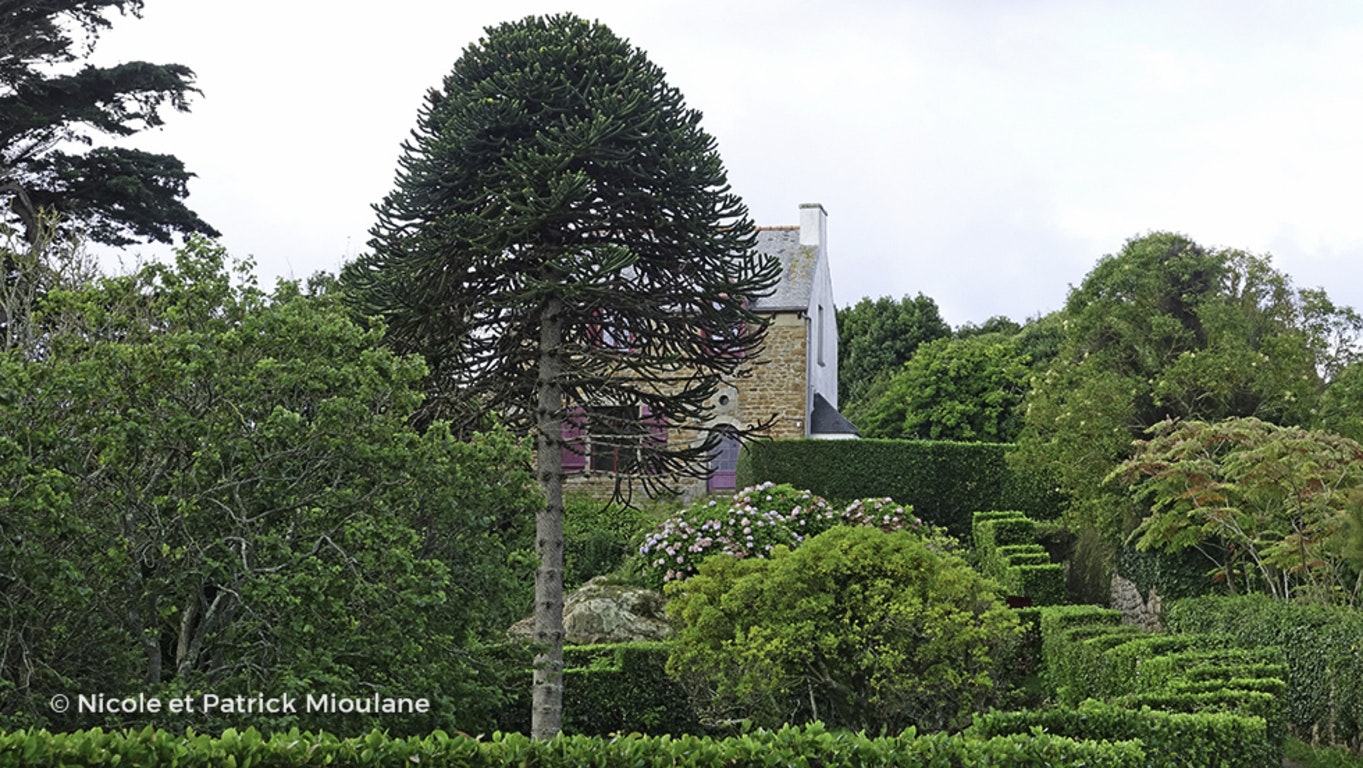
x,y
655,438
575,440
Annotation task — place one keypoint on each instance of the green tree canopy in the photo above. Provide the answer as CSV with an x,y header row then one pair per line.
x,y
562,240
1165,330
205,489
116,195
997,324
1273,509
967,389
876,337
857,627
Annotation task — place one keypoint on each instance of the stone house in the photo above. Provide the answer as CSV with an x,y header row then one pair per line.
x,y
793,385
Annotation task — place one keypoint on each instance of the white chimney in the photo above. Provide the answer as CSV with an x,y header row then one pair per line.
x,y
813,224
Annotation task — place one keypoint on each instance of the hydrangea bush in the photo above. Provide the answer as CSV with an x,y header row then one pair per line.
x,y
758,519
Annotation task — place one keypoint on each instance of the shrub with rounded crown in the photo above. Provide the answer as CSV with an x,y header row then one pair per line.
x,y
858,628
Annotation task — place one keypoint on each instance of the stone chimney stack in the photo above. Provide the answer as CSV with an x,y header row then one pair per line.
x,y
813,224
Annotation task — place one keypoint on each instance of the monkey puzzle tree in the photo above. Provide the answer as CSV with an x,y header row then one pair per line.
x,y
563,247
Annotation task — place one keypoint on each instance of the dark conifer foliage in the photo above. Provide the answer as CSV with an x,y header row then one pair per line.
x,y
556,165
116,195
563,247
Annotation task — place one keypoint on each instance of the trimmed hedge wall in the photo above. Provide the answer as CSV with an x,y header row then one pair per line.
x,y
1088,656
811,746
630,693
1179,739
944,481
616,688
1322,646
1005,544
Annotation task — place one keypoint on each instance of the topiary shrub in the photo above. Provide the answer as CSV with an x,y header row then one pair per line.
x,y
858,628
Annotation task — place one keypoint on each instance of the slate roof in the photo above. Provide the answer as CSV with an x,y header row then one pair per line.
x,y
797,269
827,421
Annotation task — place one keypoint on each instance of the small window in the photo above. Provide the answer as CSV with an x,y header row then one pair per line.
x,y
617,440
819,330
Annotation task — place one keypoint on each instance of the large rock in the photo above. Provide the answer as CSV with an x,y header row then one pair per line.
x,y
598,612
1140,611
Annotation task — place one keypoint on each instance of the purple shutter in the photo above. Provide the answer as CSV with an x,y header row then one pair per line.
x,y
575,440
655,439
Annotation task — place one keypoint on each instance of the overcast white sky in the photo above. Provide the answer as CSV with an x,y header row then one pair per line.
x,y
984,153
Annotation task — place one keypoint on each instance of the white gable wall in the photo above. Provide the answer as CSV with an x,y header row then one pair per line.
x,y
822,321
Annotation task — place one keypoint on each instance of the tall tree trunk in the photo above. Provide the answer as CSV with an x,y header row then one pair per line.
x,y
546,718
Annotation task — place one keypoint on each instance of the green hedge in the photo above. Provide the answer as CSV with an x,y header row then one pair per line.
x,y
1160,673
1322,646
1173,739
1044,584
944,481
615,688
1124,660
1260,705
630,694
1173,575
811,746
1006,550
1090,658
1076,659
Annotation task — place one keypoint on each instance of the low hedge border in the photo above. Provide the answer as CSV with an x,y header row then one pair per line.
x,y
810,746
1172,739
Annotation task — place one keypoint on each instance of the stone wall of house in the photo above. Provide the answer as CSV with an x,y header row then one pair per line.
x,y
777,385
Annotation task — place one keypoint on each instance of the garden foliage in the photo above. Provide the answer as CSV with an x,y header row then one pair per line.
x,y
1323,648
812,745
1172,739
758,519
944,482
1269,508
1089,655
858,628
964,389
1006,550
617,688
599,535
1167,329
205,488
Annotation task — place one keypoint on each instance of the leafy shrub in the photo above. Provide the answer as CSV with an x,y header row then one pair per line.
x,y
858,628
598,536
789,746
757,520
